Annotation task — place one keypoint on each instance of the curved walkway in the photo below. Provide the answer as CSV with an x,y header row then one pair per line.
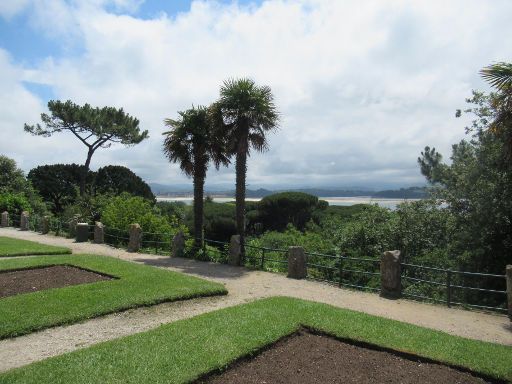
x,y
243,285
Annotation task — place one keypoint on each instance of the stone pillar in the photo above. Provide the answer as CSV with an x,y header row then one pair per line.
x,y
297,268
135,238
390,275
24,221
509,290
5,219
72,226
82,232
45,225
99,233
235,252
178,245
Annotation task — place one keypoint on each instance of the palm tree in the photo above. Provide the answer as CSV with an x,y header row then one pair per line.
x,y
247,113
499,76
190,143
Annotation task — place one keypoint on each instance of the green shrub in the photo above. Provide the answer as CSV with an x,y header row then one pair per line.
x,y
311,242
177,209
278,210
14,203
123,210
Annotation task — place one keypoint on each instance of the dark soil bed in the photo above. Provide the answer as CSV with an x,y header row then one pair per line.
x,y
37,279
309,358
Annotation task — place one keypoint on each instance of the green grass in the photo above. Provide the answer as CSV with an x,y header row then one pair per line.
x,y
15,247
137,285
184,350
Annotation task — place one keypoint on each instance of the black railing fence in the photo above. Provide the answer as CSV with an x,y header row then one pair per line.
x,y
419,282
266,258
116,237
450,287
156,242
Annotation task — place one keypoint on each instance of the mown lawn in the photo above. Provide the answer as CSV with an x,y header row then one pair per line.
x,y
182,351
16,247
137,285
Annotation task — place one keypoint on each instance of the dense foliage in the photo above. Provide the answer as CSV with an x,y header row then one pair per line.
x,y
14,203
16,191
123,210
477,187
57,184
278,210
116,179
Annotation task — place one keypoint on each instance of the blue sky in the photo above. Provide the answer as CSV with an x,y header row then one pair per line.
x,y
362,86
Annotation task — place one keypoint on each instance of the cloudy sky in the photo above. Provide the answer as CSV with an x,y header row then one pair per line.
x,y
362,86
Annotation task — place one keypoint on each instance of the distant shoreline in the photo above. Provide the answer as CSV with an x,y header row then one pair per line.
x,y
340,200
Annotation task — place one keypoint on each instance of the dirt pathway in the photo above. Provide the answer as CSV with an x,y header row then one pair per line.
x,y
243,285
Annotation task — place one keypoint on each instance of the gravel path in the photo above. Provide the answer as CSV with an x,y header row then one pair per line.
x,y
243,285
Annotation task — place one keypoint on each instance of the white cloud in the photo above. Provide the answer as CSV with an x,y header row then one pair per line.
x,y
11,8
362,86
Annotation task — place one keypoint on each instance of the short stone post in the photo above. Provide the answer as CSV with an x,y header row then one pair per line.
x,y
82,232
72,226
509,290
390,275
135,238
5,219
24,221
235,251
99,233
45,225
297,268
178,245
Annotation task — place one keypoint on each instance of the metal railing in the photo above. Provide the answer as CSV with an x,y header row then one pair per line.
x,y
426,283
116,237
266,258
352,272
449,287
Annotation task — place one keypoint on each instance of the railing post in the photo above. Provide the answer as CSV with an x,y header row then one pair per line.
x,y
449,288
5,219
82,232
235,253
262,258
24,221
99,233
390,276
72,226
297,268
135,238
509,290
59,227
340,266
178,245
45,225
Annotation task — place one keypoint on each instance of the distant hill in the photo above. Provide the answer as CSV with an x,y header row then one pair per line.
x,y
402,193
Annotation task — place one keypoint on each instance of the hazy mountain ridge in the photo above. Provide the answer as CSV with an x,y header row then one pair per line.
x,y
402,193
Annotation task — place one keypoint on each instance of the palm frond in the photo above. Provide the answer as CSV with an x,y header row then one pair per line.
x,y
498,75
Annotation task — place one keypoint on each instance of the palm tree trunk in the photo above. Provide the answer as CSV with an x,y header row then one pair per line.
x,y
241,173
199,177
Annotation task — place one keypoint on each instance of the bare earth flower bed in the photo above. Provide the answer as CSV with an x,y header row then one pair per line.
x,y
38,279
309,358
